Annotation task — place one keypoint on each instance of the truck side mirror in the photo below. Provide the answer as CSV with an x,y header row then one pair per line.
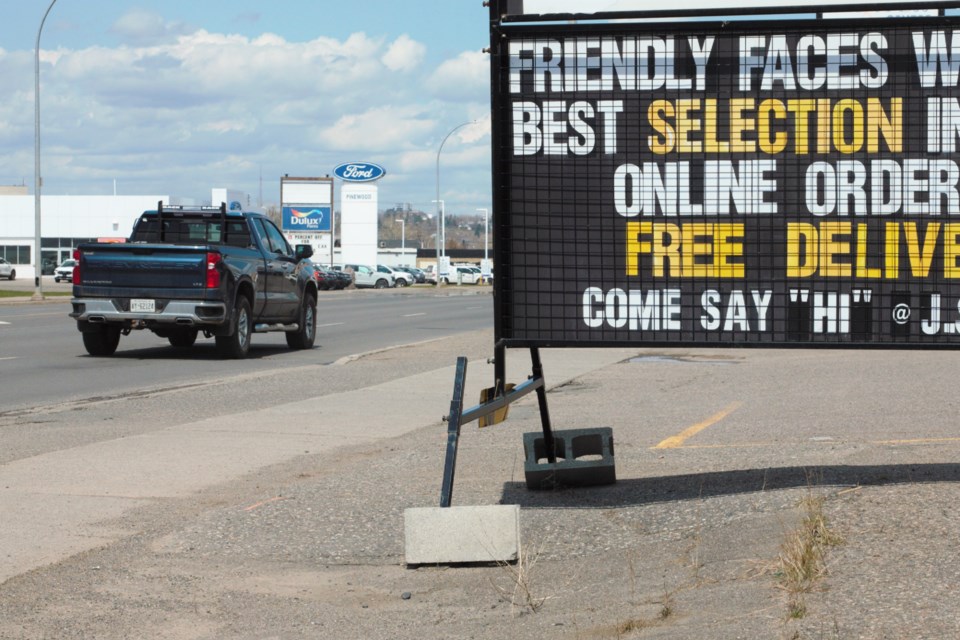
x,y
304,251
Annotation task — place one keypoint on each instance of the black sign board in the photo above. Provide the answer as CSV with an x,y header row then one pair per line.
x,y
770,183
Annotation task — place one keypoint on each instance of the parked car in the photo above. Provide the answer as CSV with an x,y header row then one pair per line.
x,y
400,278
7,271
343,279
419,277
64,271
366,277
463,275
47,266
326,280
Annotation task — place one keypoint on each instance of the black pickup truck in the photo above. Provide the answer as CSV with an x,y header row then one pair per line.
x,y
185,271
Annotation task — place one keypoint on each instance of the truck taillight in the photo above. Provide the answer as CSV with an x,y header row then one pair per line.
x,y
75,278
213,271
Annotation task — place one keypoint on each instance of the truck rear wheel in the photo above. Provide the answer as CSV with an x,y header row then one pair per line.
x,y
237,344
103,341
306,334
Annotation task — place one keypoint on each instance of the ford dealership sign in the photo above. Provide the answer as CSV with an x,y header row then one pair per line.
x,y
359,172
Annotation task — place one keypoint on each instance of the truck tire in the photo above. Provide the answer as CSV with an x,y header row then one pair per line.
x,y
183,339
103,341
237,344
401,282
306,334
13,274
380,284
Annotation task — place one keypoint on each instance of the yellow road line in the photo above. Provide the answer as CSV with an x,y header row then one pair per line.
x,y
735,445
670,444
677,441
916,441
263,502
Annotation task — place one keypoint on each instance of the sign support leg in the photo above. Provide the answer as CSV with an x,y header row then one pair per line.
x,y
548,441
453,432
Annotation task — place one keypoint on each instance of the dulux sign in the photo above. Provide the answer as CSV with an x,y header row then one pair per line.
x,y
306,218
359,172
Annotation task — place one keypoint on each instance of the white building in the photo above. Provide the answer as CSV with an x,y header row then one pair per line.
x,y
67,221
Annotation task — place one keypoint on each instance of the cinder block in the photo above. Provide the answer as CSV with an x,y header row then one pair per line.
x,y
571,468
447,535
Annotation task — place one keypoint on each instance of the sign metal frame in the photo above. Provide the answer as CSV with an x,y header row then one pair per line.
x,y
515,294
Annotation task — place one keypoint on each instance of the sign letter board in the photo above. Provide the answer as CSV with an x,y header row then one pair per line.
x,y
748,183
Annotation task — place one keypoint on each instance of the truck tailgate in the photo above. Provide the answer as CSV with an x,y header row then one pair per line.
x,y
143,266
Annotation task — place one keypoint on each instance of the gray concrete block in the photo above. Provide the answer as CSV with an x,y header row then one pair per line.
x,y
584,458
448,535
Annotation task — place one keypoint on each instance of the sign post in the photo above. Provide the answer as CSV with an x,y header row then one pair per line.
x,y
358,210
307,213
707,183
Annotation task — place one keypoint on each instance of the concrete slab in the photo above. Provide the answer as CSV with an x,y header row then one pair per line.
x,y
449,535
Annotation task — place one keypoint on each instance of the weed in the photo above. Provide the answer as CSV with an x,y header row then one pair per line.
x,y
521,594
666,605
802,559
665,612
797,609
629,626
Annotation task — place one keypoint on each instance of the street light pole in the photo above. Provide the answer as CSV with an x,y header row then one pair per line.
x,y
403,239
486,263
486,216
438,200
440,232
38,289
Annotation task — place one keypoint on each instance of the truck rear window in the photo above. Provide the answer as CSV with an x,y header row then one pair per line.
x,y
193,231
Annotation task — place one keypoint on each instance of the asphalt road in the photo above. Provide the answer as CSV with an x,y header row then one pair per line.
x,y
43,361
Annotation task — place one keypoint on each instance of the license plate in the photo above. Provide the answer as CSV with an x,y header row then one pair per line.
x,y
143,306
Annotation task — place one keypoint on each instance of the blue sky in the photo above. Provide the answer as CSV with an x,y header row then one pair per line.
x,y
176,97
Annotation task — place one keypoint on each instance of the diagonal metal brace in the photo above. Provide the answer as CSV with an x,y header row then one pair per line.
x,y
459,417
453,431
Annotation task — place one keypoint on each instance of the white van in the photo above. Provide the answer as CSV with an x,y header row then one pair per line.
x,y
461,274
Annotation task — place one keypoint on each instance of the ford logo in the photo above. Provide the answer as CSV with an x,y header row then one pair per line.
x,y
359,172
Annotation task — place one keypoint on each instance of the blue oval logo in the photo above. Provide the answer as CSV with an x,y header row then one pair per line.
x,y
359,171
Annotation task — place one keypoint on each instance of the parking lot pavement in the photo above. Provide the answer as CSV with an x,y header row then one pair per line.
x,y
720,455
28,287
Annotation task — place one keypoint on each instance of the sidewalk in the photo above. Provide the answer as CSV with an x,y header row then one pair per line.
x,y
53,503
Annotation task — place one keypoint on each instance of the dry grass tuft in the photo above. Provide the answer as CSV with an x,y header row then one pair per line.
x,y
802,559
520,594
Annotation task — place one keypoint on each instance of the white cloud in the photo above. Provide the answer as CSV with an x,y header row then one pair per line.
x,y
476,131
378,128
465,77
404,54
144,27
188,111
